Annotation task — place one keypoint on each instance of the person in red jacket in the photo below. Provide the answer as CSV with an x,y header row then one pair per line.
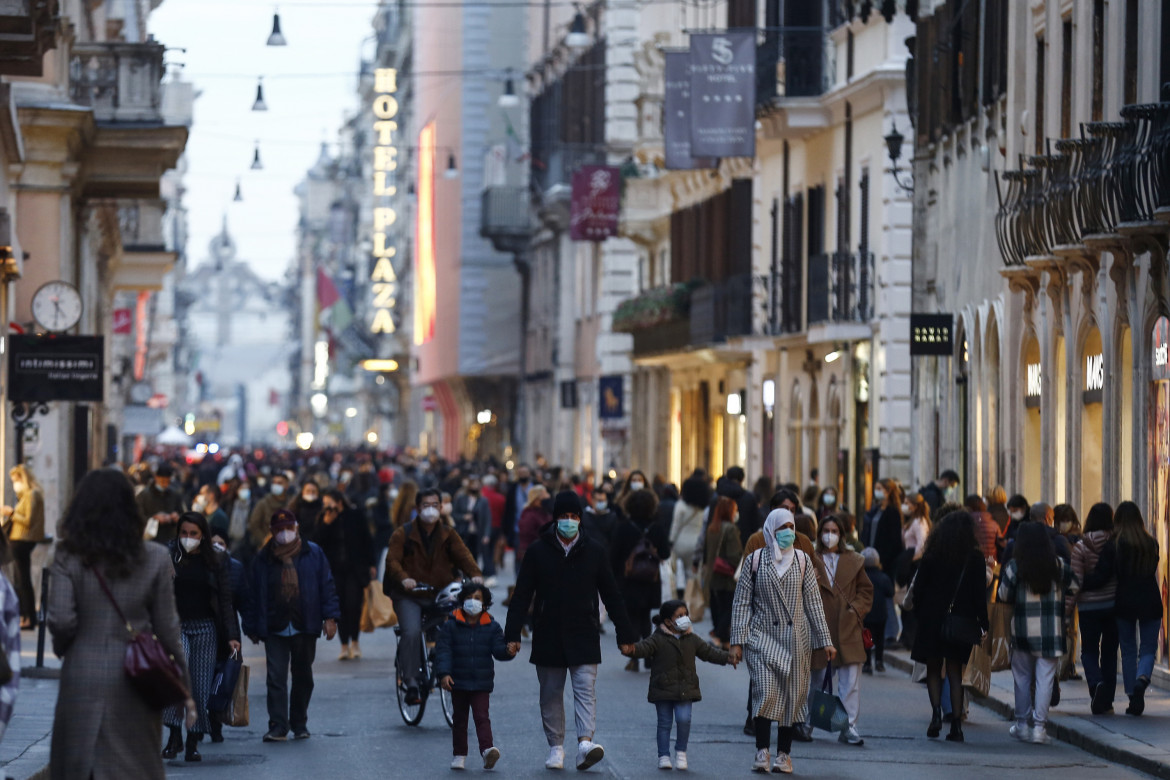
x,y
492,545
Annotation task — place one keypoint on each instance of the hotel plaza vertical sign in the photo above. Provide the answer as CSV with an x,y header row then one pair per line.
x,y
383,279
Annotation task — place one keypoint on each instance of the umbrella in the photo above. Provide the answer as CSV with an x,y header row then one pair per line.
x,y
174,436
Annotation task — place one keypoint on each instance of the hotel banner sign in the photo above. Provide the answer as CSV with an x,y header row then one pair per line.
x,y
676,110
723,94
596,203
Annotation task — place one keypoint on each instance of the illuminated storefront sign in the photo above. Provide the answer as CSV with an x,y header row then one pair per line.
x,y
424,277
1035,386
1094,378
1161,357
383,279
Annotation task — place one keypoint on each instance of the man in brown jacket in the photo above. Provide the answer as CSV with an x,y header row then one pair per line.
x,y
422,552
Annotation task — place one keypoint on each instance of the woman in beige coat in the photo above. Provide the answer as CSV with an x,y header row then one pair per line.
x,y
847,595
103,729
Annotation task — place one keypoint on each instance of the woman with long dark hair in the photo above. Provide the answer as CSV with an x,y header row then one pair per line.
x,y
722,544
344,536
203,596
633,540
950,581
1095,610
1132,557
99,713
1035,581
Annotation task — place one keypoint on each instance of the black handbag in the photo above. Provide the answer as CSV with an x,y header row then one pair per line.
x,y
959,629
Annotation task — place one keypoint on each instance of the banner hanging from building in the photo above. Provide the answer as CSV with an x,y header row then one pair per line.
x,y
932,334
676,110
55,368
723,94
596,203
612,405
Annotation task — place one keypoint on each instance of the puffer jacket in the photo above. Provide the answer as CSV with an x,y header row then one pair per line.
x,y
465,650
1085,555
672,666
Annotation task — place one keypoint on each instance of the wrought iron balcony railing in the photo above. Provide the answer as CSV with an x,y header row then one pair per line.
x,y
840,287
794,62
719,311
1115,173
120,81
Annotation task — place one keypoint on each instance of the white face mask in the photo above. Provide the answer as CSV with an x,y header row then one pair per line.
x,y
199,504
189,545
429,514
219,548
286,536
448,508
600,505
473,606
245,495
830,499
636,485
1017,515
880,495
682,624
830,539
278,490
907,509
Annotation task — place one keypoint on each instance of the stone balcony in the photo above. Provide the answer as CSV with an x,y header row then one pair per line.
x,y
28,29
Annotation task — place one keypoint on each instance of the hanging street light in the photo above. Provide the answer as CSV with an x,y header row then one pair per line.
x,y
239,195
578,38
277,37
260,105
452,171
509,99
256,164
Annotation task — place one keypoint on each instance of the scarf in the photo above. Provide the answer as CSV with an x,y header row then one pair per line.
x,y
781,559
290,584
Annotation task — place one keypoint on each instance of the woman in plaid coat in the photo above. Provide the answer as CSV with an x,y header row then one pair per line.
x,y
1035,582
777,615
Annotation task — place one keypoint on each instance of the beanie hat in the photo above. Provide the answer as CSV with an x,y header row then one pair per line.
x,y
567,502
281,519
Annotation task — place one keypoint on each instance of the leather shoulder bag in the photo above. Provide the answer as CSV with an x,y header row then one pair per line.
x,y
960,629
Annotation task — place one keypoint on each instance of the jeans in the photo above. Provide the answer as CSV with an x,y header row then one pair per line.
x,y
1099,649
477,703
1137,652
552,701
282,652
410,659
1029,670
679,712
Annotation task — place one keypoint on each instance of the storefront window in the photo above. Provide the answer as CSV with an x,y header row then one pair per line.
x,y
1092,385
1033,397
1159,452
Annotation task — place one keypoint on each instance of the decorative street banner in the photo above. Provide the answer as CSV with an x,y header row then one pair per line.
x,y
611,397
55,368
723,94
932,334
676,109
596,203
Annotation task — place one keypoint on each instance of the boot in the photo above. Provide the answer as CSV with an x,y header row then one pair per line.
x,y
216,730
935,722
956,733
193,740
174,744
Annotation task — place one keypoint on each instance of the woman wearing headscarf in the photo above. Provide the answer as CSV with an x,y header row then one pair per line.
x,y
777,616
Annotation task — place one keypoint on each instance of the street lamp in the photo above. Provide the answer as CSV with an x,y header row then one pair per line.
x,y
452,171
894,149
277,37
259,104
509,98
239,195
578,38
256,164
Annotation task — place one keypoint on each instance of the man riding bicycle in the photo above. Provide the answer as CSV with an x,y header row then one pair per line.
x,y
422,552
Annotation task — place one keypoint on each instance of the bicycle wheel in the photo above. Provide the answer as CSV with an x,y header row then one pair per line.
x,y
448,706
411,713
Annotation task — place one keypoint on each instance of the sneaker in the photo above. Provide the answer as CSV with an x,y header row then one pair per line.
x,y
301,733
680,761
276,734
664,762
761,763
459,762
1040,736
850,737
556,758
1021,732
345,654
355,651
490,757
782,765
588,754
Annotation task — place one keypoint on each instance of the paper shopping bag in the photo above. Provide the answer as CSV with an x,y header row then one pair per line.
x,y
999,636
696,599
977,673
377,609
237,714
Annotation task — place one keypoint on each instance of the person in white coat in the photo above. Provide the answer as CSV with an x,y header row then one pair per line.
x,y
777,616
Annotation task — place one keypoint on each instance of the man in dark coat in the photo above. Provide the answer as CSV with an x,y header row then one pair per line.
x,y
515,499
749,510
934,493
564,572
158,502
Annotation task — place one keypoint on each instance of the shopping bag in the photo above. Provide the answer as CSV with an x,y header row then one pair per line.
x,y
999,636
696,599
223,684
977,673
237,714
377,609
825,711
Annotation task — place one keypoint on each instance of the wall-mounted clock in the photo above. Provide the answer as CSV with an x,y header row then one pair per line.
x,y
56,306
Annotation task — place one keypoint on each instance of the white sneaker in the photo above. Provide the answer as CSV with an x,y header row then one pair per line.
x,y
490,582
680,761
490,757
588,754
459,762
1021,732
761,762
782,764
1040,736
556,758
664,762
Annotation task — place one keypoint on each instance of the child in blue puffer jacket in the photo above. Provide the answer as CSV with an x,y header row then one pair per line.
x,y
465,654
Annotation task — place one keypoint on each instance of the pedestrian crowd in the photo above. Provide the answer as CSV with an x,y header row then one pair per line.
x,y
282,549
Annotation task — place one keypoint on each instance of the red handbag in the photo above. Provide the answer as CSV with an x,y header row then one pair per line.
x,y
723,568
153,672
867,638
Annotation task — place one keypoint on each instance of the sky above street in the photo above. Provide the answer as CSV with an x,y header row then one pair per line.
x,y
309,86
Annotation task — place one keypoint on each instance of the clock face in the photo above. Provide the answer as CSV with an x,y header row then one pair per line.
x,y
56,306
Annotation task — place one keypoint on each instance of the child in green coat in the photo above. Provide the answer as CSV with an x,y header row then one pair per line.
x,y
674,682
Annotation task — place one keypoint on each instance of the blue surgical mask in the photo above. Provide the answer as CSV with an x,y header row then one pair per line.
x,y
785,537
567,527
